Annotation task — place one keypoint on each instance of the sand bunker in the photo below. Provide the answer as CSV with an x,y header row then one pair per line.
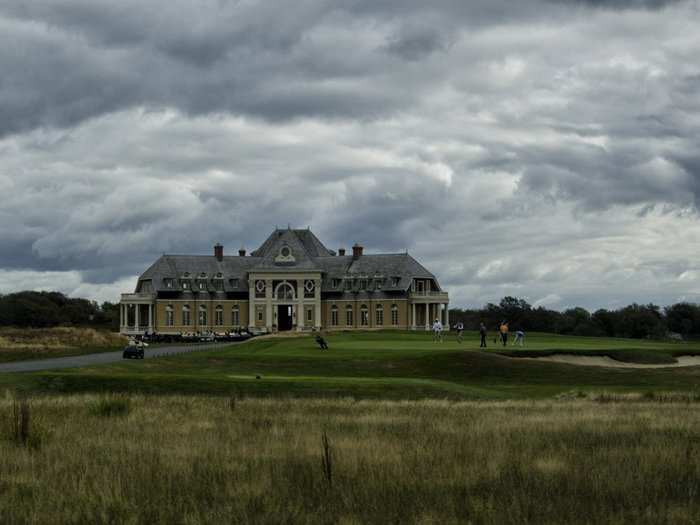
x,y
587,360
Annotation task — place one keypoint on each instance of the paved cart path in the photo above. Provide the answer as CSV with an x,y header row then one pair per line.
x,y
104,357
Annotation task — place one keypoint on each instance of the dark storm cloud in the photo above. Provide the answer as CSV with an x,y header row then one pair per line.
x,y
622,4
530,147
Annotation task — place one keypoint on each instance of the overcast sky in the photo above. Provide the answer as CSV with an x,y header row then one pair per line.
x,y
540,148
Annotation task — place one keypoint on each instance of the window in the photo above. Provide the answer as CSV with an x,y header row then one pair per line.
x,y
309,315
334,315
259,313
285,291
378,283
218,284
235,316
233,283
420,286
185,285
260,288
363,284
309,288
202,319
364,315
202,285
394,315
380,315
348,284
335,283
169,318
395,281
348,315
186,319
168,283
219,318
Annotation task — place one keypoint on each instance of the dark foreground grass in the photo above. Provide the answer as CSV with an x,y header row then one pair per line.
x,y
384,365
194,459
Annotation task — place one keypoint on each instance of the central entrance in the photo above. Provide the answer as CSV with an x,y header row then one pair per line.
x,y
284,317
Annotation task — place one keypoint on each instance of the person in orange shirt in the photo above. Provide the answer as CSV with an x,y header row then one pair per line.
x,y
504,332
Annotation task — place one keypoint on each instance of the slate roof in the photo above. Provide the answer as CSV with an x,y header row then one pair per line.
x,y
309,254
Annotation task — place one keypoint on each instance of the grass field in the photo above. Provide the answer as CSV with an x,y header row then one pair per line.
x,y
200,459
380,365
19,344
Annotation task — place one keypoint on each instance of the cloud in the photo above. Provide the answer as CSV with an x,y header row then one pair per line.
x,y
537,148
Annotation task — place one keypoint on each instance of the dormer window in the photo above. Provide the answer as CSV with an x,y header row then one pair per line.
x,y
168,283
335,283
285,256
219,275
395,281
233,283
202,285
348,284
185,285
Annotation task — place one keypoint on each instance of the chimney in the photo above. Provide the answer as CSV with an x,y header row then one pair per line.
x,y
241,252
356,251
219,252
341,252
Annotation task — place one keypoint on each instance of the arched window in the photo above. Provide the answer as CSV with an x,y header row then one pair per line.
x,y
348,315
394,315
284,291
380,315
219,316
334,315
169,318
202,319
364,315
186,317
235,316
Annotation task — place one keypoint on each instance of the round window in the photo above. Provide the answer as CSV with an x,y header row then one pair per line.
x,y
260,286
285,251
309,285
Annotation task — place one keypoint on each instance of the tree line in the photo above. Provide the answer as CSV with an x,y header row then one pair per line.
x,y
634,320
46,309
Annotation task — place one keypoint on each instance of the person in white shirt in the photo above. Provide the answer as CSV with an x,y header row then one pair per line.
x,y
437,330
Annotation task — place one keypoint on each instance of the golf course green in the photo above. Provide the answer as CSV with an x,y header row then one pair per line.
x,y
384,365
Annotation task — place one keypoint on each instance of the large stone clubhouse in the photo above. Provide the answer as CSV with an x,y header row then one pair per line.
x,y
292,282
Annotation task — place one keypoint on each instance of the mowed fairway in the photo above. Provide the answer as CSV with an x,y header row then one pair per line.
x,y
382,365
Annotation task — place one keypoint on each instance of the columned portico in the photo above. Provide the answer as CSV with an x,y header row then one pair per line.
x,y
134,303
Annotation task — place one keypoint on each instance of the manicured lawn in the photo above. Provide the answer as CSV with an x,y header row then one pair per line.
x,y
384,365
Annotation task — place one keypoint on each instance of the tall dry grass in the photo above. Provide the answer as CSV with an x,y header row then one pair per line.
x,y
212,460
26,343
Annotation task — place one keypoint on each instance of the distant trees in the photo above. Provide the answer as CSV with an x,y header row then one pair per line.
x,y
635,320
43,309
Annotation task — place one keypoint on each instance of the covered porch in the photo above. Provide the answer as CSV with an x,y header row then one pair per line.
x,y
137,313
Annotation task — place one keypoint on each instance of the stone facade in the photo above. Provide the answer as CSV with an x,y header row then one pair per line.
x,y
292,282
